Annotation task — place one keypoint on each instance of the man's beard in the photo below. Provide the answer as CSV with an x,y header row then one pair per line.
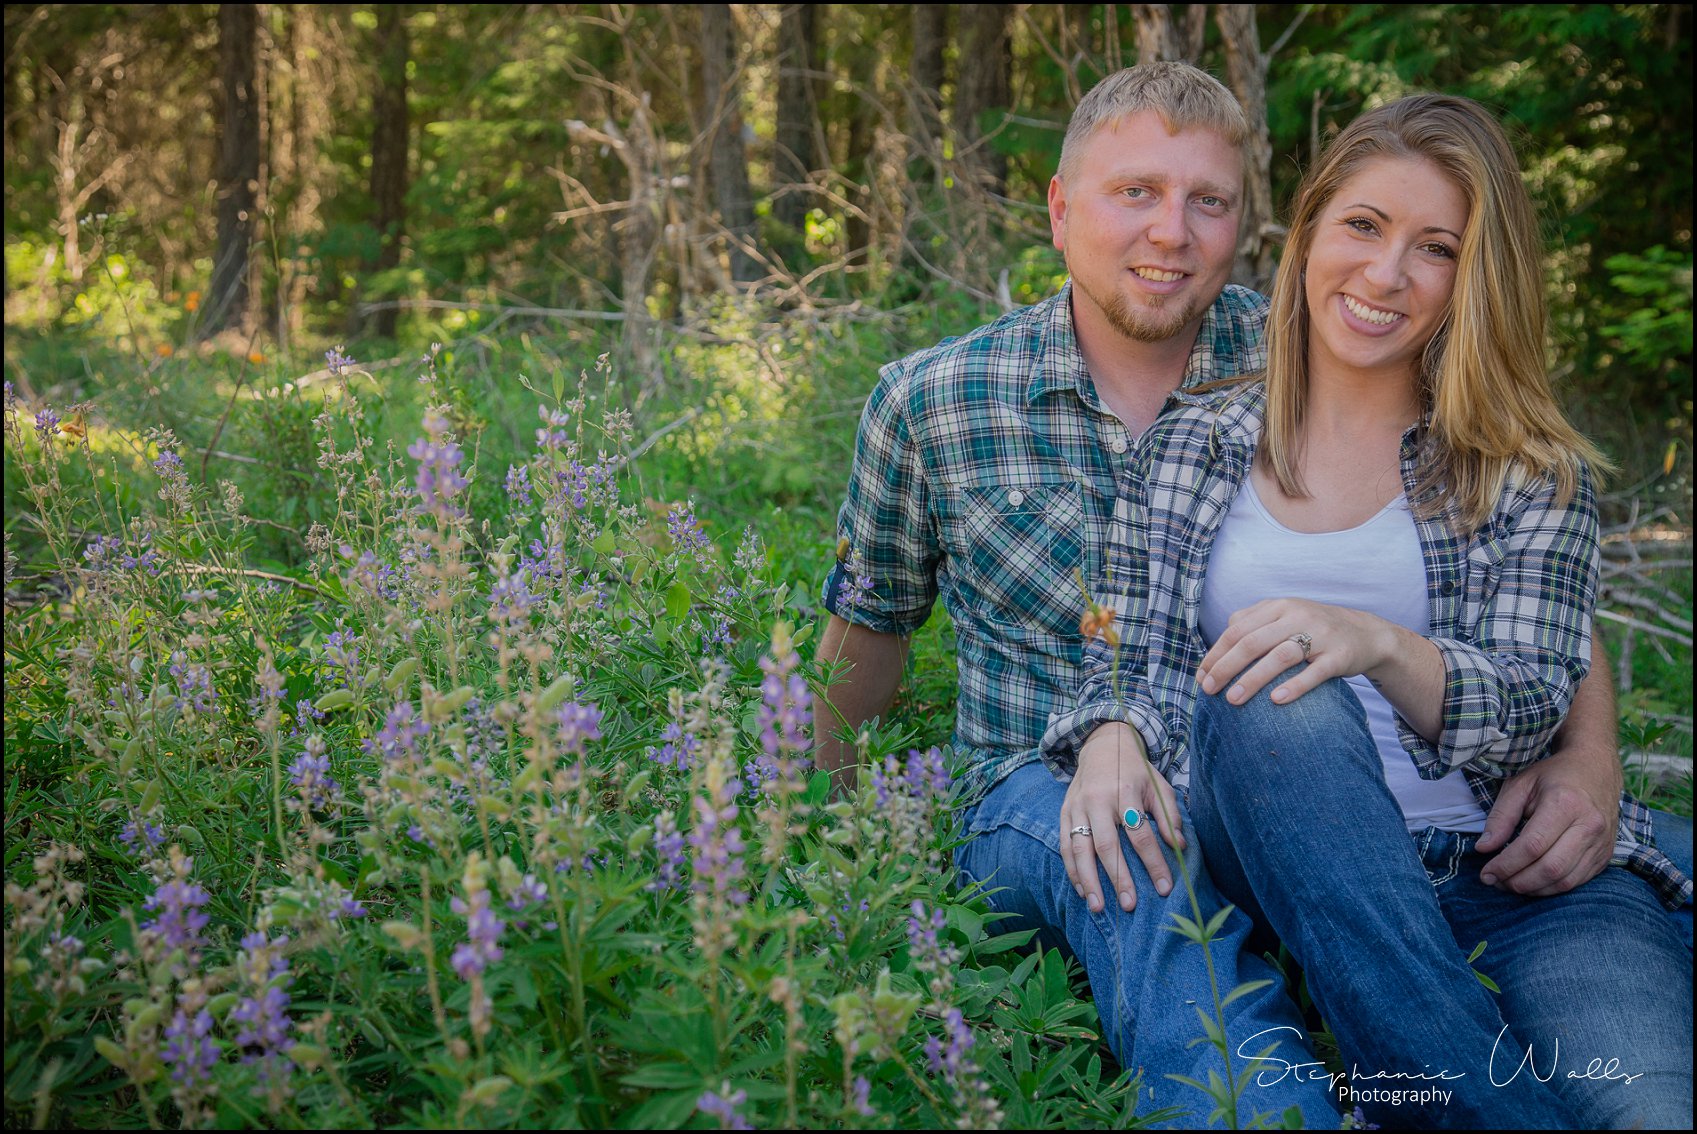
x,y
1153,322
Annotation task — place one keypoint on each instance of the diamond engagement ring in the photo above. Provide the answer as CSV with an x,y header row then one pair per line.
x,y
1133,819
1305,642
1081,829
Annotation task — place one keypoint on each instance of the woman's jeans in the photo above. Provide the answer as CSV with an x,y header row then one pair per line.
x,y
1592,1027
1148,982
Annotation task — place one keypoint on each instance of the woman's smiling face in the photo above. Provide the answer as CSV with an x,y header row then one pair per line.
x,y
1382,266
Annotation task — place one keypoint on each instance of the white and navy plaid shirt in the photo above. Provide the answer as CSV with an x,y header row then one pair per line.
x,y
985,473
1510,609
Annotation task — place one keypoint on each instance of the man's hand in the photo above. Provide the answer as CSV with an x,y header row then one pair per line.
x,y
1112,775
1569,801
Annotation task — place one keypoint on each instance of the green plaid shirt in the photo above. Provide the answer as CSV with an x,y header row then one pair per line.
x,y
985,473
1509,607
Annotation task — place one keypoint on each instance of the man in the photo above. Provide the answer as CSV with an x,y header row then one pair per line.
x,y
985,473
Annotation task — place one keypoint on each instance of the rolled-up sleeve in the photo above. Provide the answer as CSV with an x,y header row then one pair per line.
x,y
886,521
1525,634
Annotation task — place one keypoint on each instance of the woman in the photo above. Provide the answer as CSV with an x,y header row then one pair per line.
x,y
1379,564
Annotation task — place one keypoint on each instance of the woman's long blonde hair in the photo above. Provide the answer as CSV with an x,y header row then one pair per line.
x,y
1485,387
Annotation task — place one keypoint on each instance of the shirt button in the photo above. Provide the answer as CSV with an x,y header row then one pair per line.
x,y
1016,498
1448,587
1118,445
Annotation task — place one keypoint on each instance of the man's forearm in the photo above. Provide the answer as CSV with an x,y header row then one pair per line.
x,y
865,667
1591,731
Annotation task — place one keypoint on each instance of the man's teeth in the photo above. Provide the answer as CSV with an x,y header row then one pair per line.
x,y
1369,314
1157,276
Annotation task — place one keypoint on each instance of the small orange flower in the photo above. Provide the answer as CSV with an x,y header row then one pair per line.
x,y
255,357
1098,622
192,303
164,350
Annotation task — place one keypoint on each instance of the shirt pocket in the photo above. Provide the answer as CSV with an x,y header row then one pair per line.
x,y
1018,548
1485,557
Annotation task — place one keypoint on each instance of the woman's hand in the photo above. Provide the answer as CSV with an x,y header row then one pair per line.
x,y
1262,641
1113,774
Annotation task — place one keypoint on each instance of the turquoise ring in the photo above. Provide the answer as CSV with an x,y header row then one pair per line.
x,y
1133,819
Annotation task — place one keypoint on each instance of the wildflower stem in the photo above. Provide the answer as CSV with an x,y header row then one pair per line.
x,y
430,957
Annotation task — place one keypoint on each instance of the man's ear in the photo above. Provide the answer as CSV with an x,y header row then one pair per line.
x,y
1058,213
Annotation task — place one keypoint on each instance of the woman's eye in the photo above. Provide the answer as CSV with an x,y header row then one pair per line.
x,y
1360,224
1443,251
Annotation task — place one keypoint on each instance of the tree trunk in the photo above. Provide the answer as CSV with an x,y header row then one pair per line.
x,y
228,301
925,76
1157,39
796,156
727,166
1246,66
296,143
389,151
983,85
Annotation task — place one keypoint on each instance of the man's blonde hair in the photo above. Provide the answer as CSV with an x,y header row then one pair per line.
x,y
1484,381
1186,98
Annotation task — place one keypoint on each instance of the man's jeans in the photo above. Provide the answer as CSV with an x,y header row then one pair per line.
x,y
1300,829
1146,979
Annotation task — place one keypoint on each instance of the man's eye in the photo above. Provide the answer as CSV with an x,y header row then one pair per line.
x,y
1213,202
1137,191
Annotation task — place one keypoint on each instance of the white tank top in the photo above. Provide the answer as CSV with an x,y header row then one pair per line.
x,y
1376,567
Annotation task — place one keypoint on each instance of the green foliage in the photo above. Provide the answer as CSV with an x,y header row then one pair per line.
x,y
544,871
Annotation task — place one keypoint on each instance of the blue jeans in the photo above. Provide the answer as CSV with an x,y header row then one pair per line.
x,y
1673,837
1147,981
1291,806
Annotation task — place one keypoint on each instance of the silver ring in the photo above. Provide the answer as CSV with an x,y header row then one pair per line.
x,y
1305,642
1133,819
1081,829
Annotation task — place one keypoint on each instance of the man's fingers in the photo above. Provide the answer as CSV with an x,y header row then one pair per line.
x,y
1505,814
1565,856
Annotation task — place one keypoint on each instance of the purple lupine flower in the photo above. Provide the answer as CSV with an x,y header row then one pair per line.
x,y
678,751
527,893
190,1052
718,845
141,836
147,561
577,724
553,434
102,552
305,714
341,651
169,466
337,362
685,530
518,485
176,905
483,931
948,1058
402,729
194,685
725,1109
669,847
46,424
263,1014
786,707
855,590
927,774
310,775
371,574
511,599
862,1097
439,460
